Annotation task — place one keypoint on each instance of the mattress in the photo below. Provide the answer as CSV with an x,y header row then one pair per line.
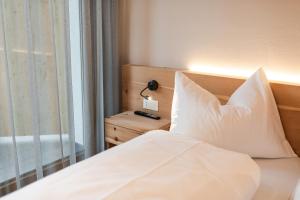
x,y
279,178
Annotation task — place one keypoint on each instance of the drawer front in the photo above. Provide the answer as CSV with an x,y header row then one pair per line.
x,y
119,134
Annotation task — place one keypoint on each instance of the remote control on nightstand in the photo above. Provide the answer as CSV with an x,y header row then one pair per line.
x,y
149,115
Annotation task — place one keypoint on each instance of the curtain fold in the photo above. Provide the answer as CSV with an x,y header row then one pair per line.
x,y
72,151
98,53
33,91
88,78
52,13
11,124
105,63
111,69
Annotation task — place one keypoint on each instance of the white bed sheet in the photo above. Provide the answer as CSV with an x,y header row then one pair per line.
x,y
279,178
156,165
296,195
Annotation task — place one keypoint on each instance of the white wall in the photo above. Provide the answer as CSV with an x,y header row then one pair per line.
x,y
232,36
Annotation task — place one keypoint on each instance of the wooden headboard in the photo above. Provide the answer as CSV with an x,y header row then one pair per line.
x,y
135,78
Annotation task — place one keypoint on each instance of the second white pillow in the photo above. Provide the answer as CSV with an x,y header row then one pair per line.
x,y
249,123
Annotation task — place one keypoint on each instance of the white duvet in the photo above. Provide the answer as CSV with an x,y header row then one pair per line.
x,y
296,195
156,166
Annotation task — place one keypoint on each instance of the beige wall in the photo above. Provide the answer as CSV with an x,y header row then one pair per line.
x,y
230,35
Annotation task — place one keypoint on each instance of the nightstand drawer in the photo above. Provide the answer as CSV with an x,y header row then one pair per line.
x,y
119,134
126,126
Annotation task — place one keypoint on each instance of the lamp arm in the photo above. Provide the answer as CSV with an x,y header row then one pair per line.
x,y
144,96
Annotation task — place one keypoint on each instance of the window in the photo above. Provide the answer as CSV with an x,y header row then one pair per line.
x,y
41,89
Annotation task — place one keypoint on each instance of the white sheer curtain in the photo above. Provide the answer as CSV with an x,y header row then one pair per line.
x,y
59,77
37,130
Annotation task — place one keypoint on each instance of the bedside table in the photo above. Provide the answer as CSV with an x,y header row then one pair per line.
x,y
125,126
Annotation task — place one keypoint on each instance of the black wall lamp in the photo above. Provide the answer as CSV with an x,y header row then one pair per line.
x,y
152,86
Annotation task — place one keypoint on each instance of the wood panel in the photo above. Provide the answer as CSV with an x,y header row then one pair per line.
x,y
135,78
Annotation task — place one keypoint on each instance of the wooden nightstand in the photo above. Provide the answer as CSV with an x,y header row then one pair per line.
x,y
125,126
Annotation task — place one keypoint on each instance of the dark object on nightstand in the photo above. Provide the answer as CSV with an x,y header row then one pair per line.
x,y
144,114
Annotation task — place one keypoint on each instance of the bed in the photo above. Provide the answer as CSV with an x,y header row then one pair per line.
x,y
279,177
160,165
89,180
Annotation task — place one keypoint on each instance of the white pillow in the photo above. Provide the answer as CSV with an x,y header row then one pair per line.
x,y
249,123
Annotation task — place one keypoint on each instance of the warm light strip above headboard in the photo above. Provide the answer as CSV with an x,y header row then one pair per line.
x,y
240,72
